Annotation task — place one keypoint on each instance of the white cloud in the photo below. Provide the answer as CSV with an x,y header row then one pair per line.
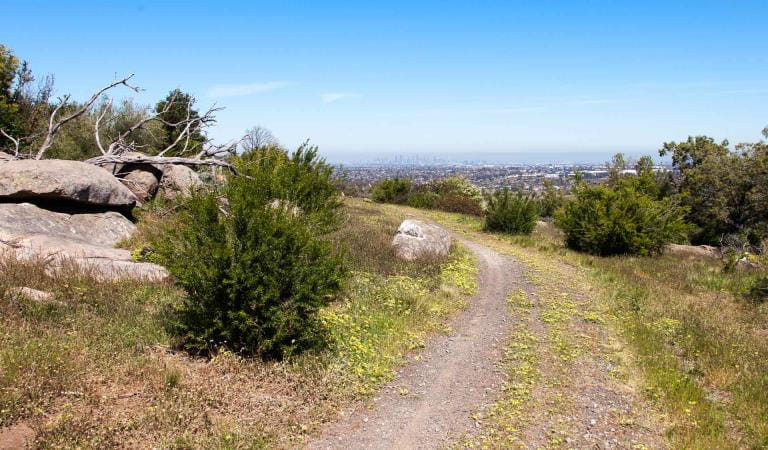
x,y
240,90
331,97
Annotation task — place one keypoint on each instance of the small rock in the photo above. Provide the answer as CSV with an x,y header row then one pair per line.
x,y
33,294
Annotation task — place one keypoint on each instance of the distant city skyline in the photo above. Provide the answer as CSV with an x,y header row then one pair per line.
x,y
379,79
477,158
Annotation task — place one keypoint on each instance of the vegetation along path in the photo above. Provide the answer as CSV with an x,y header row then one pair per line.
x,y
434,396
529,364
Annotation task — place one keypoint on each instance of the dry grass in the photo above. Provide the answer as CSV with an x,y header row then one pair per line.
x,y
92,368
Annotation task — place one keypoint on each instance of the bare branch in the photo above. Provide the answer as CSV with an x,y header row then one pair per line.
x,y
55,125
16,142
190,125
107,108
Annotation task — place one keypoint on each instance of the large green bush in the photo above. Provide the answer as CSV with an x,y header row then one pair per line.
x,y
511,213
611,221
392,190
252,258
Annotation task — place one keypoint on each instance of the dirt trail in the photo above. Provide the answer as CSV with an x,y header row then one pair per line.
x,y
433,396
533,338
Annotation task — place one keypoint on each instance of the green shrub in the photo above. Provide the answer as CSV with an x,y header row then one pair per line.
x,y
605,221
459,204
426,200
511,213
393,190
551,200
251,260
452,194
758,292
458,186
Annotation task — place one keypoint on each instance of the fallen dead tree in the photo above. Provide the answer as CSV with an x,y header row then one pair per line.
x,y
121,149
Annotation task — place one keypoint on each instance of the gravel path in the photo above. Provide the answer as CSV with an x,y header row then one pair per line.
x,y
433,397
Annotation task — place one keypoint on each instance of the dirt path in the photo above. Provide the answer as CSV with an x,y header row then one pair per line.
x,y
432,398
531,363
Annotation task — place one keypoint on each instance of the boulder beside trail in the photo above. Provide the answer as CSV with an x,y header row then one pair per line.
x,y
416,239
5,157
706,251
108,228
179,181
61,180
104,263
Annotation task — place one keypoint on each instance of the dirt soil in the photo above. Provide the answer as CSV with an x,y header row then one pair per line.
x,y
443,394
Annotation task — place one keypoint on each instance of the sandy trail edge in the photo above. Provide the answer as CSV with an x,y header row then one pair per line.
x,y
454,376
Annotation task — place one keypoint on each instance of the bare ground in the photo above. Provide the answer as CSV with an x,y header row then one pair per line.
x,y
544,371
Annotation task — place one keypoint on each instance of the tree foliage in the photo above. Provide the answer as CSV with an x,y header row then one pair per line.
x,y
550,200
452,194
724,190
511,213
181,108
252,258
24,106
392,190
605,220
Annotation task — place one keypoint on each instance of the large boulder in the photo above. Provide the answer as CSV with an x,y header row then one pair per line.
x,y
102,262
5,157
179,181
142,183
704,251
416,239
106,228
54,179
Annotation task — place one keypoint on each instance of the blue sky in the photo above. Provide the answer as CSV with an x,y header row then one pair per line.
x,y
379,78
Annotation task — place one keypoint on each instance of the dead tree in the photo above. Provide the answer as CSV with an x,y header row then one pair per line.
x,y
122,150
55,124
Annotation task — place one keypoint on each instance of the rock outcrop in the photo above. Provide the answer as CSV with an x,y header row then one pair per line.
x,y
416,239
47,214
102,262
142,183
61,180
105,229
179,181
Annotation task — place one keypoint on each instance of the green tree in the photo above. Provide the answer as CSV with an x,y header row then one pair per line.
x,y
10,119
181,108
714,184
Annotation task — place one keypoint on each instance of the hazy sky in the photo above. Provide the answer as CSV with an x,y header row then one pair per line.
x,y
417,76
